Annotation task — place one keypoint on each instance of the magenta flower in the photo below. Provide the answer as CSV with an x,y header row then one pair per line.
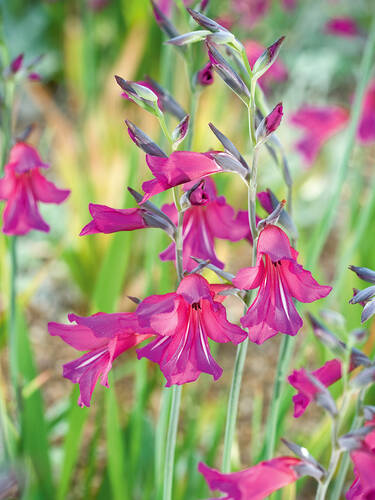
x,y
276,73
208,217
23,186
319,125
205,76
105,337
180,167
110,220
279,278
366,129
254,483
327,374
183,322
363,486
342,26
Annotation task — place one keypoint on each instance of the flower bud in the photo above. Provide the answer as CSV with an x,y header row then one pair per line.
x,y
141,95
187,38
266,59
16,64
363,295
273,217
269,202
368,311
229,146
366,377
206,22
364,273
227,73
310,466
163,22
180,132
143,141
269,124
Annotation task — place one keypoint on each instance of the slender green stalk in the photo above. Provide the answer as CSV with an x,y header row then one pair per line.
x,y
171,442
234,394
232,410
160,436
12,316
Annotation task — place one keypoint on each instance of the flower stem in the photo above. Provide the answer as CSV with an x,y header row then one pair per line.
x,y
232,410
171,442
12,328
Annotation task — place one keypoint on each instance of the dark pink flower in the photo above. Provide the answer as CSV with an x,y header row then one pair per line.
x,y
255,483
105,337
110,220
276,73
363,486
208,217
279,278
366,129
205,76
16,64
23,186
319,125
342,26
184,321
180,167
327,374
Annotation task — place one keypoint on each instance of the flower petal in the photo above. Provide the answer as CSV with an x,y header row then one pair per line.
x,y
46,191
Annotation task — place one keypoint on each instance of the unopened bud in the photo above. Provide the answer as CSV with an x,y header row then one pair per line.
x,y
168,103
265,60
180,132
143,141
364,273
363,295
229,146
368,311
366,377
269,124
206,22
16,64
164,23
273,217
354,439
230,164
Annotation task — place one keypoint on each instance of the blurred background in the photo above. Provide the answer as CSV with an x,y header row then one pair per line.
x,y
108,451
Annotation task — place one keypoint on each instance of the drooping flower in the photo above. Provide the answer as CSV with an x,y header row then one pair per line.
x,y
279,278
366,129
255,483
342,26
184,321
111,220
105,337
327,374
363,458
179,168
319,125
22,187
276,73
208,217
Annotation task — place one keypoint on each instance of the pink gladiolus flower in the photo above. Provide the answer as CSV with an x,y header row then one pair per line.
x,y
319,124
279,278
254,483
180,167
105,337
342,26
110,220
206,75
366,129
23,186
276,73
183,321
363,486
327,374
209,217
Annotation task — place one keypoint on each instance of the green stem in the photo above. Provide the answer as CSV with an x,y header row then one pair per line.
x,y
161,432
232,410
193,110
12,317
322,231
171,442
